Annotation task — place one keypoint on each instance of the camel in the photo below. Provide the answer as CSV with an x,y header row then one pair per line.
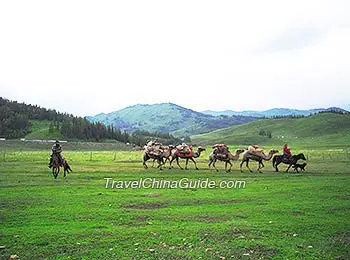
x,y
157,157
175,155
224,157
56,166
166,153
277,159
248,156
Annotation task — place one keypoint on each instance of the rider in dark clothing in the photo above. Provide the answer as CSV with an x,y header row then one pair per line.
x,y
56,150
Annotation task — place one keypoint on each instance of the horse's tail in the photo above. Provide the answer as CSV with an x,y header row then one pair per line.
x,y
274,160
68,167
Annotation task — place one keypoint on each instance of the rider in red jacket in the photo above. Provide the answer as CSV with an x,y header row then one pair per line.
x,y
286,151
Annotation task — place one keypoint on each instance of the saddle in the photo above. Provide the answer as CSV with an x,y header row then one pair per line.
x,y
286,159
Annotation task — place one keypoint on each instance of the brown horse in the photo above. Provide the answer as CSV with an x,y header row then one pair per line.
x,y
56,166
277,159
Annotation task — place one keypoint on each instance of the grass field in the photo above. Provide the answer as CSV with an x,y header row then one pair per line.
x,y
275,216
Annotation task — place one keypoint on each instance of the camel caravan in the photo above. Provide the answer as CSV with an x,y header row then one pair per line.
x,y
162,153
220,152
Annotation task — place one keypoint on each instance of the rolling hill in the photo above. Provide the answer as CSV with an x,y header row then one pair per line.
x,y
332,129
167,117
274,112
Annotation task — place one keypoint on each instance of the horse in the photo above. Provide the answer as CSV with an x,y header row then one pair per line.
x,y
277,159
56,166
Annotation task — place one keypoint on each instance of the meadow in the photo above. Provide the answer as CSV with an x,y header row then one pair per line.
x,y
274,216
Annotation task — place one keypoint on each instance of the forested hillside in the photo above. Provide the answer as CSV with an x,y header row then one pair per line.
x,y
19,120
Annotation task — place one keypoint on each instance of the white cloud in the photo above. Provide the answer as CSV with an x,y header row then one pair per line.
x,y
86,57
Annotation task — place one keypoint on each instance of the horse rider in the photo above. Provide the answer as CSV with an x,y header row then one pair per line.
x,y
286,152
56,150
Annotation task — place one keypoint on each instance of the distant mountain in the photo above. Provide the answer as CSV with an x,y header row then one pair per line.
x,y
275,112
167,117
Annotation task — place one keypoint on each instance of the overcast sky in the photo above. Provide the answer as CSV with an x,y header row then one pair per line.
x,y
87,57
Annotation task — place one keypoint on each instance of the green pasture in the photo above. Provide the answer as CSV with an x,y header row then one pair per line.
x,y
320,131
275,216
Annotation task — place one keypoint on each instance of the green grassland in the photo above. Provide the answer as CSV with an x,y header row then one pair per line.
x,y
321,130
276,215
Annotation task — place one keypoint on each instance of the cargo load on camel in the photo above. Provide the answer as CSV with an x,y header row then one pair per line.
x,y
256,150
184,150
221,151
153,148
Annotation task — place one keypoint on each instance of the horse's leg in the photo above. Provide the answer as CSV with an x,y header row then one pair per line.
x,y
55,171
290,166
276,164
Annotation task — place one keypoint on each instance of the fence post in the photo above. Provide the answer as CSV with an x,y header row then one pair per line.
x,y
115,156
90,156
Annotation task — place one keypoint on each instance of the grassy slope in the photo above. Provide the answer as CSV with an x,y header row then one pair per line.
x,y
277,216
40,130
327,129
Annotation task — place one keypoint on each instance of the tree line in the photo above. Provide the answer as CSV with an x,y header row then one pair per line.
x,y
15,122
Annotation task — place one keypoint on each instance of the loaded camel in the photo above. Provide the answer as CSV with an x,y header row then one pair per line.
x,y
259,158
225,157
166,153
176,154
155,151
149,155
